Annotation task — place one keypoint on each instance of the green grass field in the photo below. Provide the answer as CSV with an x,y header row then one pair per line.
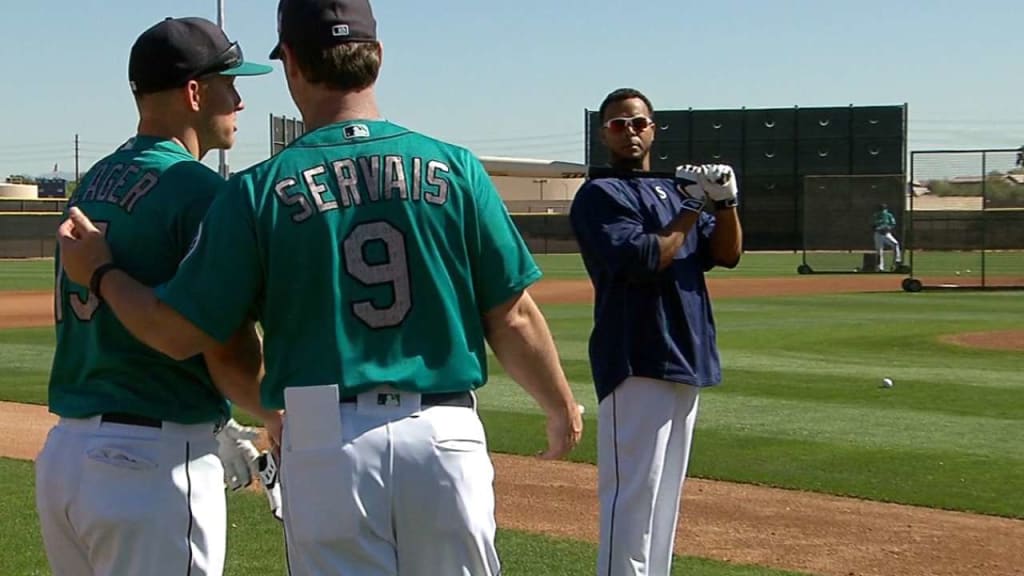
x,y
801,406
35,274
760,265
931,267
38,274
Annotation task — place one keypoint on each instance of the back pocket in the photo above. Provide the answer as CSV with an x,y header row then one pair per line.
x,y
122,454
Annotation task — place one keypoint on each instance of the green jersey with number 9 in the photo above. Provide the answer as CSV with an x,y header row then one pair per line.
x,y
149,198
368,252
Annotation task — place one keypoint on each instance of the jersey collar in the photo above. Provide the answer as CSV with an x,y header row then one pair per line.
x,y
141,142
349,131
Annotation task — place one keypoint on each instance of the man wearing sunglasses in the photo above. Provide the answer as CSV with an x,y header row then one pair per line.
x,y
646,244
129,480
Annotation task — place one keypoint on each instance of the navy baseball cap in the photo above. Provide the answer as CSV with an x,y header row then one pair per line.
x,y
177,50
323,23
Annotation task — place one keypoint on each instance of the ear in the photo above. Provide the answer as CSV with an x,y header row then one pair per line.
x,y
291,71
380,52
193,95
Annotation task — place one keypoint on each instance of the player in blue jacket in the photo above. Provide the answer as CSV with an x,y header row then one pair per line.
x,y
646,243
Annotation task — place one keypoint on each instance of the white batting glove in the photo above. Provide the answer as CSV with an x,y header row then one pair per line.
x,y
237,453
689,182
268,473
720,183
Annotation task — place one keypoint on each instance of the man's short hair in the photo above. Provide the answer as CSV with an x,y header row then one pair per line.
x,y
351,66
624,94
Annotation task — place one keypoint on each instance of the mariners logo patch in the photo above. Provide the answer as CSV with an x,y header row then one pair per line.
x,y
389,399
356,131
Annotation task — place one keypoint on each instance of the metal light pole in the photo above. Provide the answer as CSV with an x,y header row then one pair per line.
x,y
222,166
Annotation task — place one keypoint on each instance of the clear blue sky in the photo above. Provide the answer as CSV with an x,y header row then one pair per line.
x,y
513,78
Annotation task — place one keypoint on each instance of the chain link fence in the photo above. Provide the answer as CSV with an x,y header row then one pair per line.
x,y
966,219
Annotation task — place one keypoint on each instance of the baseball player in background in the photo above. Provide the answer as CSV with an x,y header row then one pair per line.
x,y
646,244
129,480
379,261
883,223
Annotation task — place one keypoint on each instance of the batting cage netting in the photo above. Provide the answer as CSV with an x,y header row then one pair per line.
x,y
839,231
966,219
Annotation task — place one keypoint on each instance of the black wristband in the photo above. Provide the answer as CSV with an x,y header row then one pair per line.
x,y
723,204
97,277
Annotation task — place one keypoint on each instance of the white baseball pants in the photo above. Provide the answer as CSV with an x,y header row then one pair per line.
x,y
115,499
645,429
885,240
395,490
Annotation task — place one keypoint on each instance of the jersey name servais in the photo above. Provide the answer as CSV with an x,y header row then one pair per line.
x,y
383,178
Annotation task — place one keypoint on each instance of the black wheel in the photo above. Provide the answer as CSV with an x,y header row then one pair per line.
x,y
803,269
912,285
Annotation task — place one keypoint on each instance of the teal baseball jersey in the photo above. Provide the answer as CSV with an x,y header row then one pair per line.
x,y
368,253
149,197
883,221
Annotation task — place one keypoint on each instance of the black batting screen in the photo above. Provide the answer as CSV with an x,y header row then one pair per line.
x,y
839,214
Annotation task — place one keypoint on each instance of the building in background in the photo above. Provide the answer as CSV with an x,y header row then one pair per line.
x,y
18,191
529,185
52,187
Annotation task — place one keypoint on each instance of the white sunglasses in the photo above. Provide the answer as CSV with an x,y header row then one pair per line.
x,y
637,123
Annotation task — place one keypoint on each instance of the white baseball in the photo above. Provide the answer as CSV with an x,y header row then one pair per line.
x,y
582,409
887,382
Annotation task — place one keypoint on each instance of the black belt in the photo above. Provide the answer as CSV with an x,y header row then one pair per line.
x,y
461,399
131,420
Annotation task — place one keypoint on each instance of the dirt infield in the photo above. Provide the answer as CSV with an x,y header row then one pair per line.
x,y
732,522
31,309
26,309
993,340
